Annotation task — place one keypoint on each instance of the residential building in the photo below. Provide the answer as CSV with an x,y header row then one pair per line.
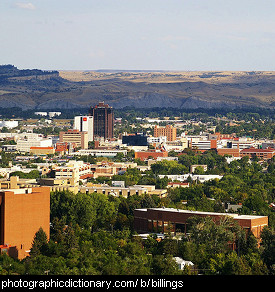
x,y
75,136
169,131
103,117
23,212
85,124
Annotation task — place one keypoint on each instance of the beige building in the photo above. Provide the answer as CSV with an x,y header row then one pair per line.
x,y
169,131
17,183
60,184
75,136
123,191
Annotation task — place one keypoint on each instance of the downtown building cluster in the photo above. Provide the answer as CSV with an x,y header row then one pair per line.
x,y
25,198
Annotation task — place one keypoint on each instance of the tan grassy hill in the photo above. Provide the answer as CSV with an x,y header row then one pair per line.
x,y
74,89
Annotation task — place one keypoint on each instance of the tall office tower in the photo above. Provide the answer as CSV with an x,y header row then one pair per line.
x,y
85,124
103,120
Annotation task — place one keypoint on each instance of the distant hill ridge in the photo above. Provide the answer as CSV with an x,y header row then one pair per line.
x,y
38,89
10,71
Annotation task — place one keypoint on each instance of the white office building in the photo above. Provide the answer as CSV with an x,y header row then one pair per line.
x,y
24,144
85,124
8,124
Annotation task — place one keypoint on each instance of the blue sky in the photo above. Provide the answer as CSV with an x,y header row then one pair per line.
x,y
138,35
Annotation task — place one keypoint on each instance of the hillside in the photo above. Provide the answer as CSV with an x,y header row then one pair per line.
x,y
36,89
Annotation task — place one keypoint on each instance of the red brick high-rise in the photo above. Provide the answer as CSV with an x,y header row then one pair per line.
x,y
22,213
103,120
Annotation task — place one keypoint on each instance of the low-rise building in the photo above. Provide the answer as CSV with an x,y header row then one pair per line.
x,y
261,154
122,191
9,124
194,177
41,150
178,185
144,155
235,152
24,144
194,167
168,219
202,145
100,152
73,169
60,184
65,147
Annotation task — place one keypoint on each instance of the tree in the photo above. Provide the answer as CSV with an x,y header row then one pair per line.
x,y
216,236
83,210
164,265
104,210
268,245
39,242
229,264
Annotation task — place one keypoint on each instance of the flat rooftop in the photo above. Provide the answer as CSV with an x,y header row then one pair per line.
x,y
204,213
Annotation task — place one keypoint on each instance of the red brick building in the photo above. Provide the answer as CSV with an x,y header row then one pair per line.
x,y
143,155
235,152
164,219
23,212
65,146
262,154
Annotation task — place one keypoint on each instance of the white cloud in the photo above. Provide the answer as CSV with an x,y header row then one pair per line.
x,y
22,5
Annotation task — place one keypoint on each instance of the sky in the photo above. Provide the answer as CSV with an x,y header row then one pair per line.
x,y
175,35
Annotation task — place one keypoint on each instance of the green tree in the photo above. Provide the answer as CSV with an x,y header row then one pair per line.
x,y
39,242
83,210
268,246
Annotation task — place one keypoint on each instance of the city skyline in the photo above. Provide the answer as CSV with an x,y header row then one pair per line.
x,y
137,35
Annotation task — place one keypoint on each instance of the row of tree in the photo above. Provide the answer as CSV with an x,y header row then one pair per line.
x,y
93,234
